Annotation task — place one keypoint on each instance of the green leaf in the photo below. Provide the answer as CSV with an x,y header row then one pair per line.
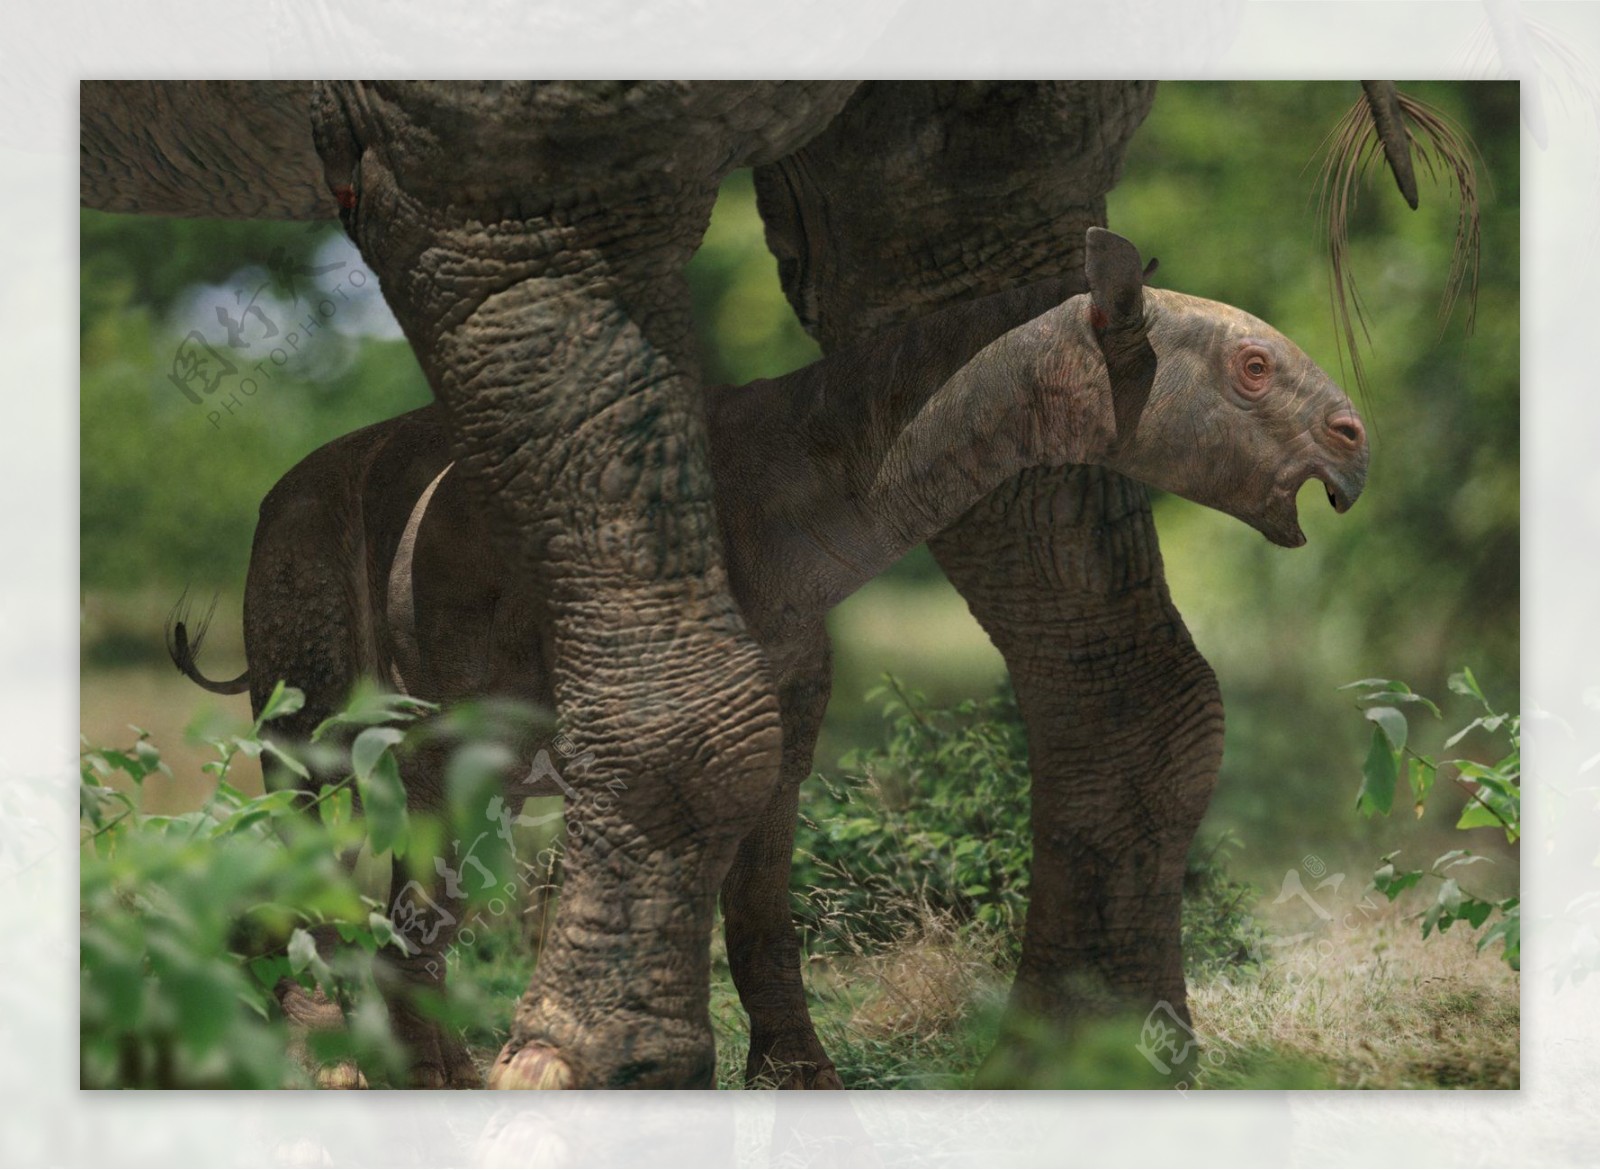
x,y
1383,684
1510,768
249,745
208,999
115,970
1497,801
1397,697
1478,816
1509,931
480,818
1392,722
1463,682
134,763
303,957
384,931
1490,723
1389,691
148,756
284,700
369,747
268,969
1392,883
302,950
474,775
271,804
1420,774
369,707
1378,776
383,801
1443,911
93,800
286,759
334,805
1450,895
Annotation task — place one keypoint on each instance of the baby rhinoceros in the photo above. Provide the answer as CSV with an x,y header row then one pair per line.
x,y
373,557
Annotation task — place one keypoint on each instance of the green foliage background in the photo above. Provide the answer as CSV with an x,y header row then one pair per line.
x,y
1421,577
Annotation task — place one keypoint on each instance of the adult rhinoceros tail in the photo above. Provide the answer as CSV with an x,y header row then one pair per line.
x,y
184,649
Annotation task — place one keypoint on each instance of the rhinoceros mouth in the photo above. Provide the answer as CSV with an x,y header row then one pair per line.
x,y
1279,522
1339,495
1282,525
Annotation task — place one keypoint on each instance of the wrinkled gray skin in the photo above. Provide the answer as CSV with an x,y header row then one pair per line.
x,y
531,239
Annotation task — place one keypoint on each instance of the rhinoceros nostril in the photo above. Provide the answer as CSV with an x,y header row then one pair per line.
x,y
1349,429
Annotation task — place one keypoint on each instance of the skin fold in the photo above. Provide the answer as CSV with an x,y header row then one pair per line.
x,y
531,238
823,478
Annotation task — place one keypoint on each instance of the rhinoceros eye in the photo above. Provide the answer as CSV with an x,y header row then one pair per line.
x,y
1253,366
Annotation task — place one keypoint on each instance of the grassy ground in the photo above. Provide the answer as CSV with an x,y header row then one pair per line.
x,y
1370,1007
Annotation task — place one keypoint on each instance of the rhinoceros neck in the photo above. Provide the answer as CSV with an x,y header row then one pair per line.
x,y
828,475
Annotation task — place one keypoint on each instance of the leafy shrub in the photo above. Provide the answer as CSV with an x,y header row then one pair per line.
x,y
1219,931
1494,801
189,923
933,825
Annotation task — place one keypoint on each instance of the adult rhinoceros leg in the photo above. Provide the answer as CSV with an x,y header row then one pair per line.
x,y
531,239
923,194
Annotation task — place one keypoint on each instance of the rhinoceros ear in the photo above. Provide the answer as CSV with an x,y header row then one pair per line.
x,y
1116,311
1116,280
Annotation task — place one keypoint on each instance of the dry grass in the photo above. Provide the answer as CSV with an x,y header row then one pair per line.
x,y
924,985
1370,1005
907,1015
1374,1007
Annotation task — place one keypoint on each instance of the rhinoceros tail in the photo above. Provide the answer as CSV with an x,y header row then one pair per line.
x,y
184,649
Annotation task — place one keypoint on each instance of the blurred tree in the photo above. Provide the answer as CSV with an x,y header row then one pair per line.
x,y
170,487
